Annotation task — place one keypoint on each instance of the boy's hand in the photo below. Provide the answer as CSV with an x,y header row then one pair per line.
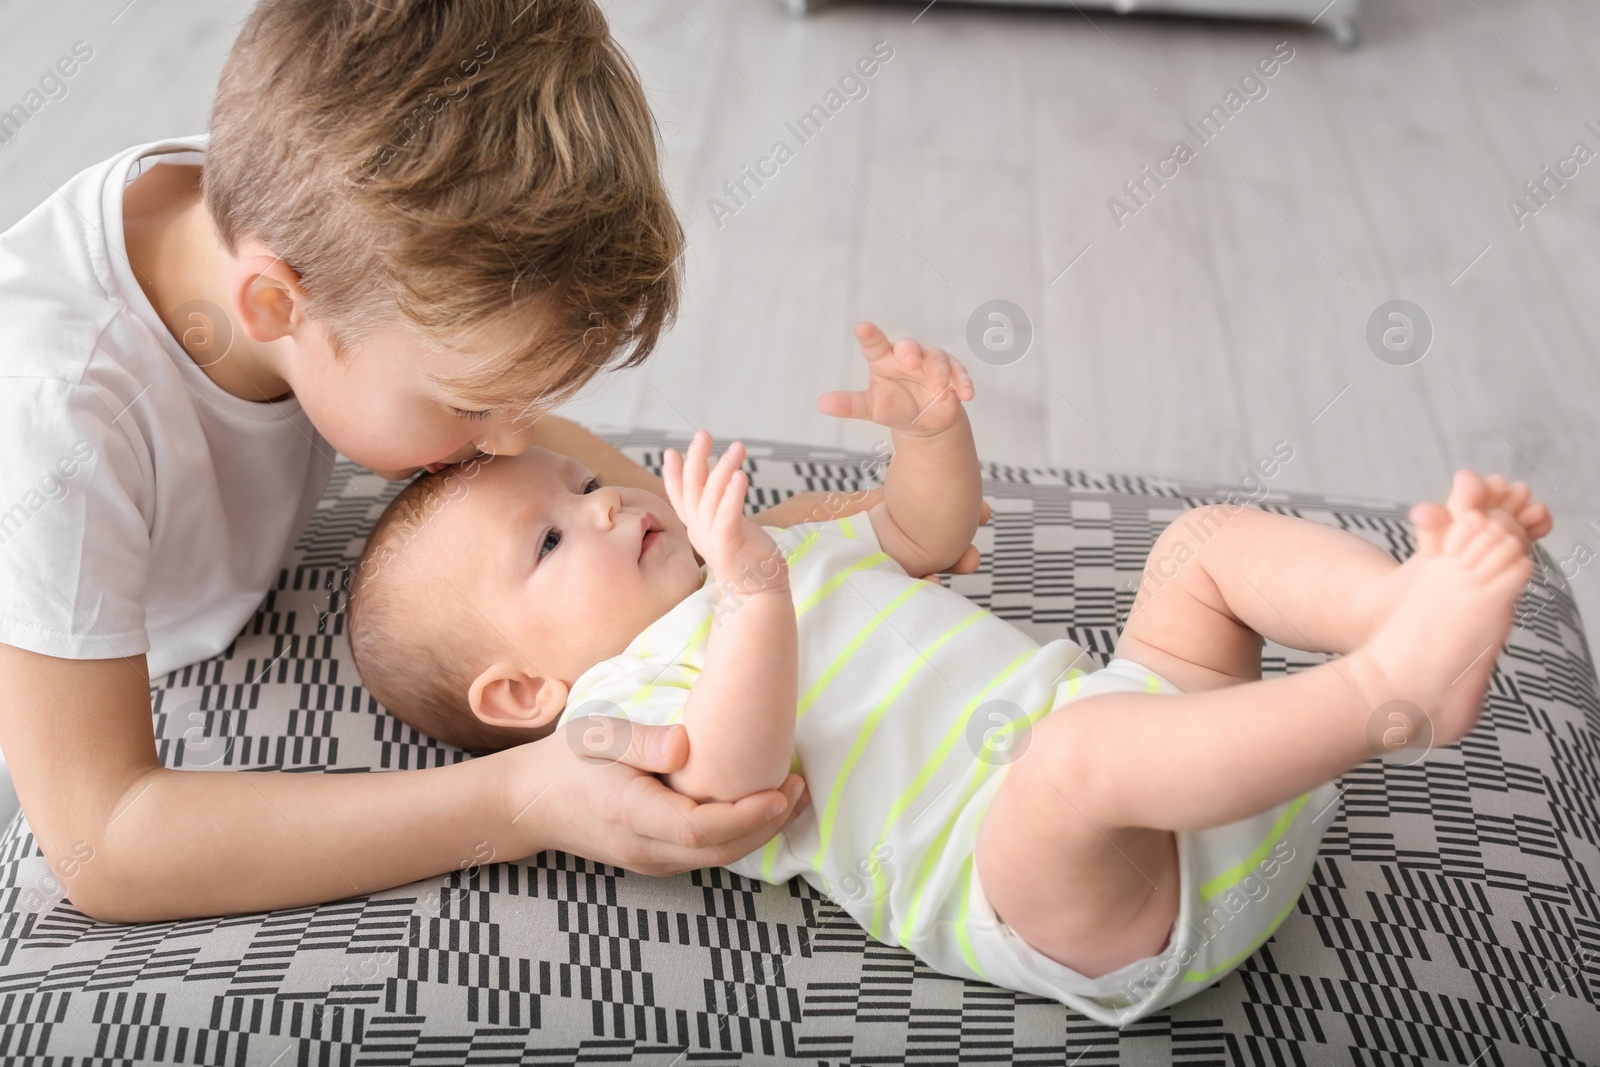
x,y
613,807
913,390
711,505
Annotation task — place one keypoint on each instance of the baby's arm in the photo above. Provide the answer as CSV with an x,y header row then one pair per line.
x,y
740,713
933,492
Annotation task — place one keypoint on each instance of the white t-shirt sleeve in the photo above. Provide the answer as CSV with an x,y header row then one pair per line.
x,y
74,537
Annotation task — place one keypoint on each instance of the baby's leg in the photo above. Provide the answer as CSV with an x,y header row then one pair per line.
x,y
1218,580
1077,854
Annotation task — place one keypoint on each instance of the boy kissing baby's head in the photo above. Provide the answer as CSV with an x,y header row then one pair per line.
x,y
486,589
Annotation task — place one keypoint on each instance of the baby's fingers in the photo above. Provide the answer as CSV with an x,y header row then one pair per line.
x,y
730,509
874,343
937,371
672,475
694,471
945,372
962,380
717,483
845,404
908,353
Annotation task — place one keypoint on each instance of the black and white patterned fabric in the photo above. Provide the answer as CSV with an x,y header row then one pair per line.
x,y
1453,915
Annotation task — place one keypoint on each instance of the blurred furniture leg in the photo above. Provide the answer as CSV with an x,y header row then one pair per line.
x,y
1338,17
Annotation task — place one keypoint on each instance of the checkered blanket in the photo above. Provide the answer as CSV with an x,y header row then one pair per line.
x,y
1453,916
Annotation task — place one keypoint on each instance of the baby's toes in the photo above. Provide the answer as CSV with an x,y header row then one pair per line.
x,y
1508,521
1505,567
1495,548
1431,520
1466,528
1517,496
1536,519
1498,487
1468,493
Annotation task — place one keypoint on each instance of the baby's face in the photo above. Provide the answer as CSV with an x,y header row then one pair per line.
x,y
562,574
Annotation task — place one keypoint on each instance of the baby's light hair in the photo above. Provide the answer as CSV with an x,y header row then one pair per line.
x,y
416,643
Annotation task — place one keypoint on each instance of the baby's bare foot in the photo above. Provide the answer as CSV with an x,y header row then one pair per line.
x,y
1512,505
1439,645
1509,505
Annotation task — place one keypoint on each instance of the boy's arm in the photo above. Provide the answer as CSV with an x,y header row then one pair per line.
x,y
132,841
933,492
740,713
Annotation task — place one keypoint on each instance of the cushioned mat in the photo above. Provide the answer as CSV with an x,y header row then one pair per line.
x,y
1453,915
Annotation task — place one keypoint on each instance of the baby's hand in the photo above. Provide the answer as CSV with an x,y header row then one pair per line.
x,y
914,390
740,553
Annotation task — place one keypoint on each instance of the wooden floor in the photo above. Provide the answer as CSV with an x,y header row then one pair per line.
x,y
1226,311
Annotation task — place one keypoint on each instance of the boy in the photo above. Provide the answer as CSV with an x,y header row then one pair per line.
x,y
414,227
1117,840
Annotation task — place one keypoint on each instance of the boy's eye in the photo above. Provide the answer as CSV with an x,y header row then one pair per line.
x,y
460,413
592,484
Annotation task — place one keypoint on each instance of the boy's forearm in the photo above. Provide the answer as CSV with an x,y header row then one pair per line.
x,y
933,492
740,713
182,844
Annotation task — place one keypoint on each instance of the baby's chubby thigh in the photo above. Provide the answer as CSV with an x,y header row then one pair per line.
x,y
1090,895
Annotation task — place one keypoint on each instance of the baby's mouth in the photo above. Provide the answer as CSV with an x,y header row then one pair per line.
x,y
652,533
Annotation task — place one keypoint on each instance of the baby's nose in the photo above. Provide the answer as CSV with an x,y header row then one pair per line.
x,y
608,502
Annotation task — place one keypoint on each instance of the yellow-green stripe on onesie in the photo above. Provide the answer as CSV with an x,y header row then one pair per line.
x,y
909,702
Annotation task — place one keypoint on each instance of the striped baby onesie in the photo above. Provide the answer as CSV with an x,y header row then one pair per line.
x,y
910,699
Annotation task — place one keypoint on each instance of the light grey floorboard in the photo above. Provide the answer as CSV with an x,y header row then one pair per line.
x,y
1226,314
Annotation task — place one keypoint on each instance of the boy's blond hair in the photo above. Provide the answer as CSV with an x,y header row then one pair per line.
x,y
451,166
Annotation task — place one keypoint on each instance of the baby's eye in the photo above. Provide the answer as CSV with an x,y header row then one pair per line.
x,y
552,538
592,484
460,413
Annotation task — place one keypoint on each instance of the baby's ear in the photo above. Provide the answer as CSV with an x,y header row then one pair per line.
x,y
507,695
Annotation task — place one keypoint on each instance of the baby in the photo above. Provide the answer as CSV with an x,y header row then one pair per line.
x,y
1116,838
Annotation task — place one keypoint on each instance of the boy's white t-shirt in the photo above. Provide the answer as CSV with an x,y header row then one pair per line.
x,y
143,509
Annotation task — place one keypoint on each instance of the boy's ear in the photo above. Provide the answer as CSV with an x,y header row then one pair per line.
x,y
265,292
507,695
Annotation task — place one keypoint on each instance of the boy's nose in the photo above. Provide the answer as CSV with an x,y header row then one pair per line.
x,y
507,437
